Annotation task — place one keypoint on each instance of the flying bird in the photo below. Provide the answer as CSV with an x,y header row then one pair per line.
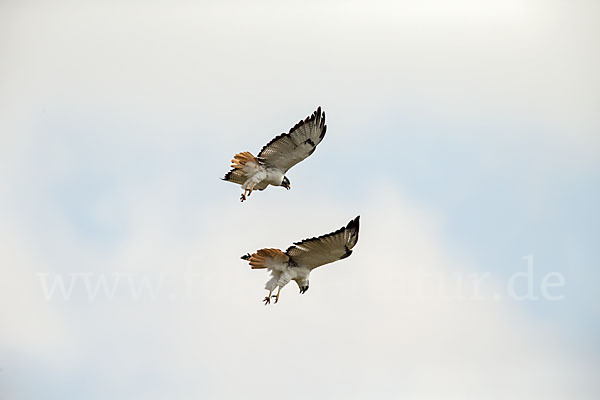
x,y
277,156
297,262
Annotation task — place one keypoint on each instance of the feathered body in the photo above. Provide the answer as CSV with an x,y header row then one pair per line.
x,y
277,156
297,262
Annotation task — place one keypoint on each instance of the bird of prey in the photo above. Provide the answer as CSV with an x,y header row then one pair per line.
x,y
297,262
278,156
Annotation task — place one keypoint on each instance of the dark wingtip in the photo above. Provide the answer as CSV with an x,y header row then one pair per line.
x,y
245,256
354,224
346,255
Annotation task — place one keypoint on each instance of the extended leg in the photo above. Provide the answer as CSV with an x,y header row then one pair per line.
x,y
251,189
243,195
267,299
277,296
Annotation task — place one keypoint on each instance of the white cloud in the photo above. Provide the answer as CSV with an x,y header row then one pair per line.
x,y
493,58
351,335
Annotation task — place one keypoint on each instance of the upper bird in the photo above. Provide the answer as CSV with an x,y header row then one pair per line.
x,y
299,260
278,156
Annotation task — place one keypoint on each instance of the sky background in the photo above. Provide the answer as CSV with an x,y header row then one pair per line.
x,y
465,134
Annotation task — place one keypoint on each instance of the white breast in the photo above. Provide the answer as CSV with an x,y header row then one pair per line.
x,y
274,177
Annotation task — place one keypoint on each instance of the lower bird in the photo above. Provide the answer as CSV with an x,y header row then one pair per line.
x,y
297,262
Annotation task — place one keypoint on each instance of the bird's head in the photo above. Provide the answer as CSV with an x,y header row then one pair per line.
x,y
286,183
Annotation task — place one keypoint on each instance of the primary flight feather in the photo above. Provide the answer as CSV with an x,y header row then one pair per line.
x,y
277,156
299,260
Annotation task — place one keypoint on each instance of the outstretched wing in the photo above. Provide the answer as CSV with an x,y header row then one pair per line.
x,y
325,249
288,149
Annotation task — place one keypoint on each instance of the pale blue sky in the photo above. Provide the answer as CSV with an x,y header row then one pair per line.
x,y
466,137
